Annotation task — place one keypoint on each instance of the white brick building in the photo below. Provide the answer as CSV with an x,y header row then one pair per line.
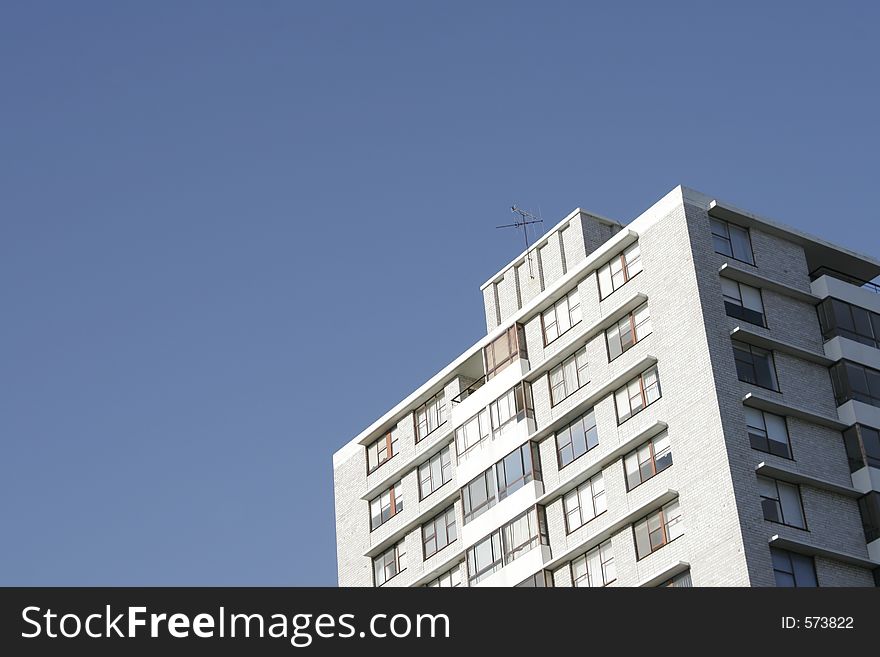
x,y
652,404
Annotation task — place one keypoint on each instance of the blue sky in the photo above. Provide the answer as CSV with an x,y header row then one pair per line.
x,y
234,234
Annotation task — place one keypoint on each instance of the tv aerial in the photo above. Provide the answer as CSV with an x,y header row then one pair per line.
x,y
525,220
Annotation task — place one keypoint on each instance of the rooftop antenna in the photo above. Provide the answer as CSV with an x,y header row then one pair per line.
x,y
525,220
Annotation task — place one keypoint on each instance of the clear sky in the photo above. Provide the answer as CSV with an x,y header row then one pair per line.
x,y
234,234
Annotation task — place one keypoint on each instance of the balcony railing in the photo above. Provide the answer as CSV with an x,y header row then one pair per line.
x,y
846,278
471,389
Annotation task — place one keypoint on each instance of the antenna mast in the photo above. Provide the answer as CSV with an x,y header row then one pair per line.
x,y
526,219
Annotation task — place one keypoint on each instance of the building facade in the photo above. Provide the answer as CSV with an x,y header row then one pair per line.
x,y
689,399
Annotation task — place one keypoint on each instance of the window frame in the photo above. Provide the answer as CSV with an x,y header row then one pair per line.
x,y
444,575
593,497
751,350
633,326
450,526
443,471
561,367
604,545
515,337
726,225
439,412
856,449
665,522
624,268
566,299
651,444
640,378
831,326
495,482
399,560
731,301
780,508
753,437
395,503
506,554
849,392
392,443
790,557
593,430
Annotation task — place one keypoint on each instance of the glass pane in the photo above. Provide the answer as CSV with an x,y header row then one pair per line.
x,y
771,510
721,245
633,257
804,570
776,428
842,315
862,321
784,580
752,298
718,227
730,289
605,287
742,248
781,560
643,543
754,418
613,337
631,466
767,487
578,438
621,399
792,511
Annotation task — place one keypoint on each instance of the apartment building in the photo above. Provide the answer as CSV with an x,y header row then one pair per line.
x,y
690,399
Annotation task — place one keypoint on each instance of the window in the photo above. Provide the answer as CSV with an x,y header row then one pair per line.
x,y
472,433
680,581
595,568
569,376
484,558
438,532
513,406
435,472
862,447
389,564
506,544
659,528
564,314
450,579
637,395
540,580
430,416
501,352
869,507
523,533
755,365
838,318
511,473
732,240
781,502
584,503
517,469
644,462
743,302
382,450
386,506
629,330
793,569
854,381
617,272
768,432
576,439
